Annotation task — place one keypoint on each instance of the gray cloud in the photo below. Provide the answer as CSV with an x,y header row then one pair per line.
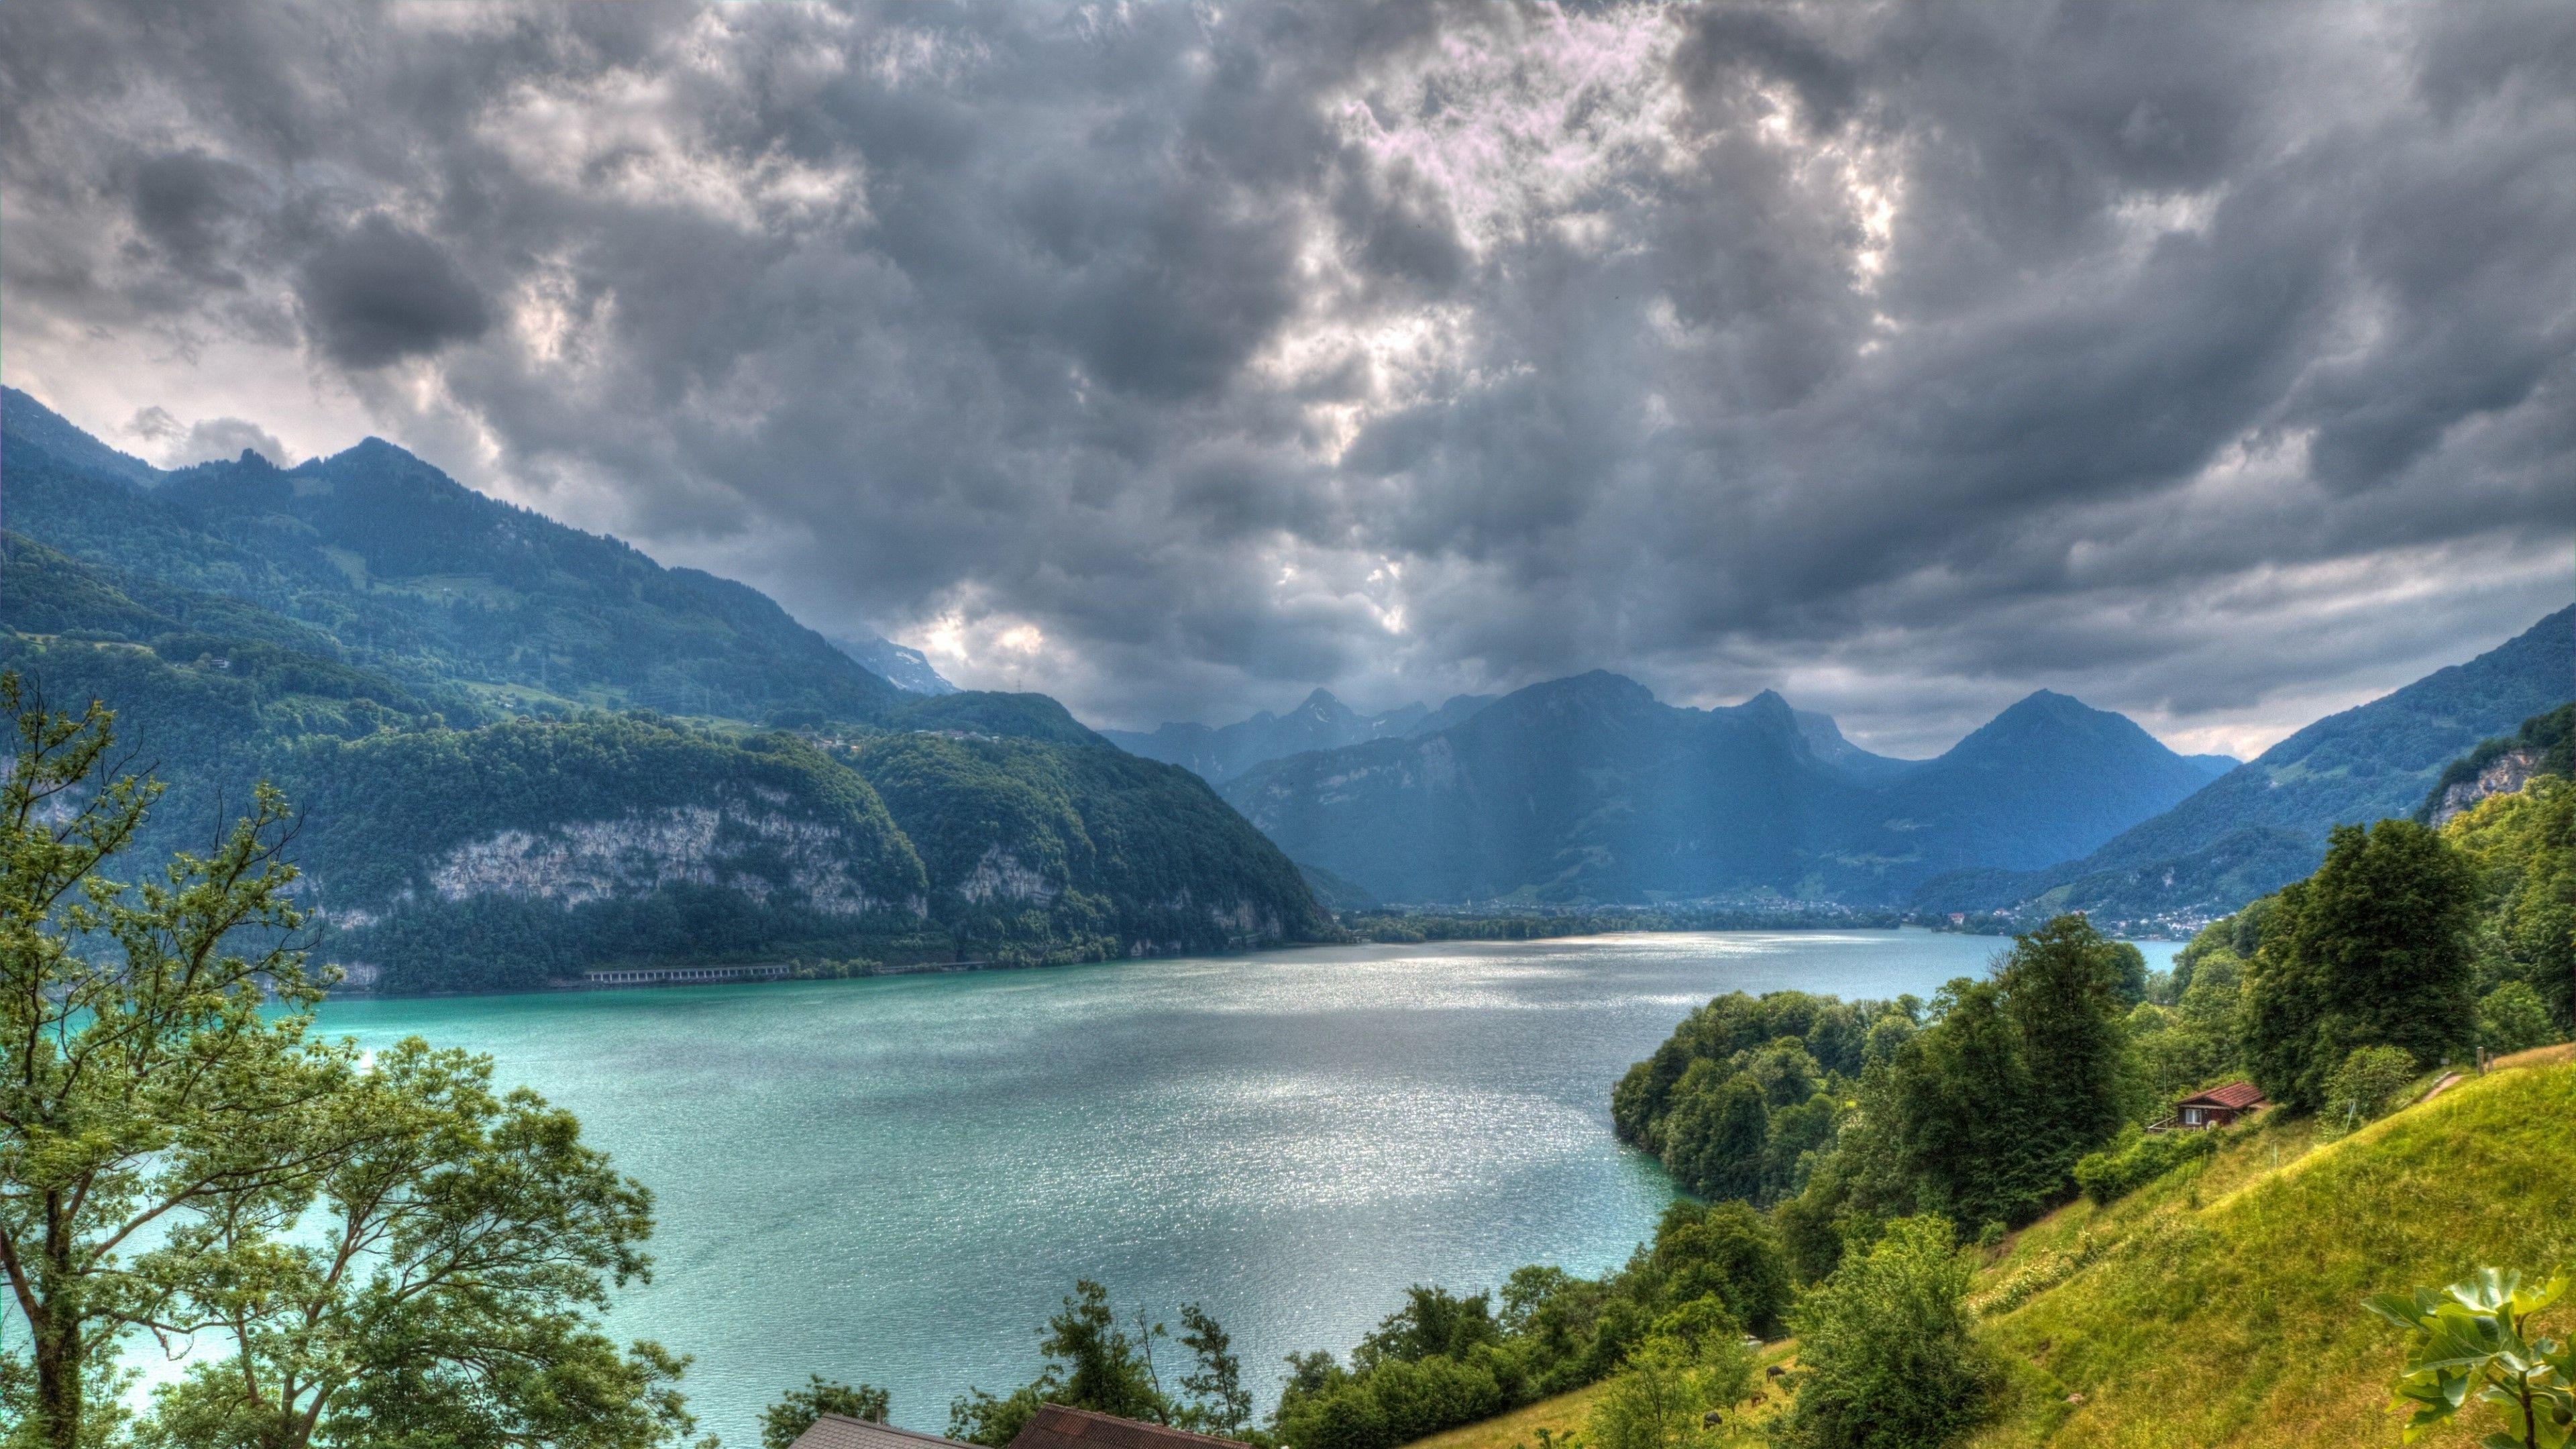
x,y
378,293
2212,363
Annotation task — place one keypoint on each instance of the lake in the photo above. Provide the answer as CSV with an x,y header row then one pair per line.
x,y
894,1180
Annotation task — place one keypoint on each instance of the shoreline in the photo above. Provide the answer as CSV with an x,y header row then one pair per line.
x,y
773,973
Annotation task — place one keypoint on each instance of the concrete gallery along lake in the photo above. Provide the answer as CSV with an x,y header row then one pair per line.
x,y
895,1180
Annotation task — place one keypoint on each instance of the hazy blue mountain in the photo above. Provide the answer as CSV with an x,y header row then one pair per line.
x,y
1218,753
905,668
359,629
1589,789
2214,765
2264,823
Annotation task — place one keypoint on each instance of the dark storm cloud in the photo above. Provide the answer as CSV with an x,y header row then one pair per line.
x,y
379,293
2210,361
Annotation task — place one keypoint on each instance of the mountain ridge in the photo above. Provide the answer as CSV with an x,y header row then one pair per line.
x,y
2264,823
356,629
1589,789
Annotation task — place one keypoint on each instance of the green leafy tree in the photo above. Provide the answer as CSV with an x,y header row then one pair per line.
x,y
2524,845
440,1280
2513,1018
1728,1252
2368,1083
141,1076
797,1409
1885,1353
1661,1400
395,1254
2372,950
1218,1403
1091,1361
2475,1338
2066,989
1974,1143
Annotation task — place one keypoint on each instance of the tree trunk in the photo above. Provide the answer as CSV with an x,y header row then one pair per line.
x,y
58,1381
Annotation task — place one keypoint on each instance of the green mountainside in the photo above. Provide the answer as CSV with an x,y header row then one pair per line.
x,y
2264,824
1591,790
461,698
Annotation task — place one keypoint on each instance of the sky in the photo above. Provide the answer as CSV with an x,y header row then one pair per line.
x,y
2209,362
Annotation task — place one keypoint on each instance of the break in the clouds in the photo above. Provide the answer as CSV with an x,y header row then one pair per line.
x,y
2209,362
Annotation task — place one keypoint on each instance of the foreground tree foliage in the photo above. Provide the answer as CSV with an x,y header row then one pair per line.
x,y
1094,1362
2477,1337
393,1253
797,1409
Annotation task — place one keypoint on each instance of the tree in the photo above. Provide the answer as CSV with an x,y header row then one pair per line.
x,y
1218,1402
2475,1336
1092,1362
797,1409
436,1284
1887,1361
141,1078
2064,987
2368,1082
2372,950
394,1253
1725,1251
2524,844
1973,1141
2513,1018
1660,1400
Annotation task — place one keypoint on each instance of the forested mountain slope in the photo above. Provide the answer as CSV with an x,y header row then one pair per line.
x,y
361,631
2264,824
1589,789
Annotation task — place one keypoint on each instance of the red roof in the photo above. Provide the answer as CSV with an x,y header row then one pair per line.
x,y
2238,1095
1057,1427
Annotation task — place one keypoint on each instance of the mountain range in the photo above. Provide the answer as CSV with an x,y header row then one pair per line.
x,y
1590,790
2264,824
523,751
1219,753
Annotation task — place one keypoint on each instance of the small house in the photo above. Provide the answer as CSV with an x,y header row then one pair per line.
x,y
840,1431
2217,1107
1057,1427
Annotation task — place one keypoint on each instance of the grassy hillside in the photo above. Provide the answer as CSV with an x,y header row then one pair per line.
x,y
2223,1306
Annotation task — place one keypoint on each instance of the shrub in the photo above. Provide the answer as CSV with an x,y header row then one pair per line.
x,y
1885,1344
2512,1018
1669,1384
2367,1083
2137,1159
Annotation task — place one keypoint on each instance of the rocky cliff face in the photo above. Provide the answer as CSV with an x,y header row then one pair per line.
x,y
2502,775
760,852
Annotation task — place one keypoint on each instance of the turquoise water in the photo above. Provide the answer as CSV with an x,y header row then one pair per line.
x,y
894,1180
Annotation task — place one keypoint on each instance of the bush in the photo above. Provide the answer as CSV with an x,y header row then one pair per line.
x,y
2513,1018
2367,1083
1669,1384
1887,1357
2137,1159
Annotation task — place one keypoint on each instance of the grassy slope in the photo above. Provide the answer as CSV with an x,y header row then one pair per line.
x,y
2223,1306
